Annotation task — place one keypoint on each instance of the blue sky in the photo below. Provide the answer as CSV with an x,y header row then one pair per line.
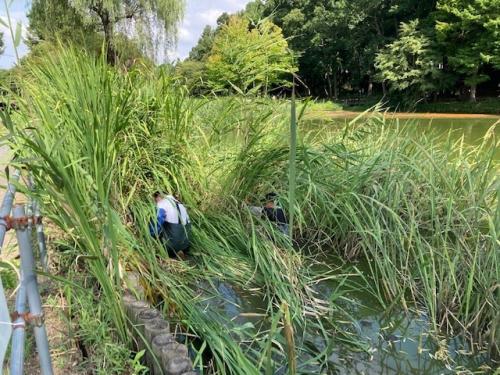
x,y
198,14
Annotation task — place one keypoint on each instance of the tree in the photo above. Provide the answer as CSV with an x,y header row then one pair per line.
x,y
146,17
254,10
193,75
338,40
247,59
410,64
56,19
204,46
469,32
202,49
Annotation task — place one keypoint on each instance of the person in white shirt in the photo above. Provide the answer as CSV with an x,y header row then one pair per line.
x,y
172,226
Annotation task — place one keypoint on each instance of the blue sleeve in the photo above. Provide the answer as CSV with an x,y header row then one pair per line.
x,y
155,227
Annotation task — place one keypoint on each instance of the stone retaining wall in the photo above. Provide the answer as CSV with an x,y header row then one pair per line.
x,y
171,357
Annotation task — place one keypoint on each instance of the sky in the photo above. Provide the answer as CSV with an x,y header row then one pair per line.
x,y
199,13
17,10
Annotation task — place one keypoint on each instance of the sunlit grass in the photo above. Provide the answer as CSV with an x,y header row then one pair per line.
x,y
99,142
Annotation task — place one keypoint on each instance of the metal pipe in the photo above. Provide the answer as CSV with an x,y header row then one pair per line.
x,y
5,209
18,337
6,206
40,235
34,300
5,325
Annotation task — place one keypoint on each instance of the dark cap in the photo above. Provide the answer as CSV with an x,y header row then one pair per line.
x,y
271,196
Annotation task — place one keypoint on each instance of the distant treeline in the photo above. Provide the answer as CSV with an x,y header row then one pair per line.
x,y
410,49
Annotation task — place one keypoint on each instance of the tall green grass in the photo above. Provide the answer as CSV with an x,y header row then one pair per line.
x,y
423,213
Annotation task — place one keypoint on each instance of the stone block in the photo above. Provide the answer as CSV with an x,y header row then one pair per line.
x,y
135,308
176,365
158,343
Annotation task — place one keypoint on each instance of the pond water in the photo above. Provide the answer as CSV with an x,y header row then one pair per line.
x,y
471,129
395,341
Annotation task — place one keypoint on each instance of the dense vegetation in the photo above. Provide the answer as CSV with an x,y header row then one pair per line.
x,y
411,222
411,48
424,216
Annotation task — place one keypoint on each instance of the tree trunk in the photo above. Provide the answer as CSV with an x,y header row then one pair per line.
x,y
329,83
472,97
335,85
370,87
110,49
384,89
107,25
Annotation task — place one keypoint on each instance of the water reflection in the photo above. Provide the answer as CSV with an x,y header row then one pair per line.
x,y
398,343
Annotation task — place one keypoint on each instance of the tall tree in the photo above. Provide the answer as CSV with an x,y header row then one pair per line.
x,y
469,32
147,18
57,19
338,40
202,49
411,64
255,59
204,46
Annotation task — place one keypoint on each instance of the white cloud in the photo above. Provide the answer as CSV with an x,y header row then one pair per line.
x,y
185,35
235,4
210,16
200,13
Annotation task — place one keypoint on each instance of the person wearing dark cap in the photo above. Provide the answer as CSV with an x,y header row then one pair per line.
x,y
272,212
275,213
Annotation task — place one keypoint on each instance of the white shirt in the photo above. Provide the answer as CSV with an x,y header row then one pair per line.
x,y
172,215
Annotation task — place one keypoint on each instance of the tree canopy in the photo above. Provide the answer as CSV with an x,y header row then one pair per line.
x,y
469,32
410,63
247,58
154,22
402,48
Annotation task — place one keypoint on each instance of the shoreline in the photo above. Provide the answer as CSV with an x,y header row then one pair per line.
x,y
403,115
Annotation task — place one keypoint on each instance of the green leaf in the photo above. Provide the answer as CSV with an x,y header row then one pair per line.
x,y
17,36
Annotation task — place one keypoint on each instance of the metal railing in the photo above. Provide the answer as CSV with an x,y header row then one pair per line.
x,y
24,219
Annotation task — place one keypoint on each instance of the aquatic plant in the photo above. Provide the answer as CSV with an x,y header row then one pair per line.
x,y
424,215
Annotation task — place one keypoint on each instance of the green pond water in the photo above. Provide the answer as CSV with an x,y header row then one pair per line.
x,y
394,342
472,130
397,341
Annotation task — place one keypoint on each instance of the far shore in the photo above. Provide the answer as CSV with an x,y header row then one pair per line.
x,y
404,115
